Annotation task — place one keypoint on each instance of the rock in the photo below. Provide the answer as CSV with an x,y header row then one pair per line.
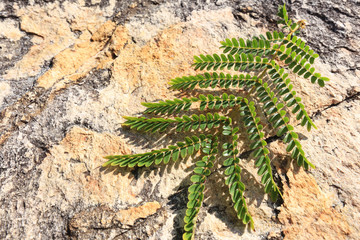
x,y
51,33
312,215
73,63
5,90
10,30
69,71
105,223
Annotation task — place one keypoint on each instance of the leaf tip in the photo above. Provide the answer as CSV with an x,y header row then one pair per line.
x,y
106,163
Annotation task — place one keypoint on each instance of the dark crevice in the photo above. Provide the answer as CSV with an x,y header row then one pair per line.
x,y
287,180
41,145
68,231
336,9
333,26
339,194
269,140
351,97
348,48
32,33
3,17
272,139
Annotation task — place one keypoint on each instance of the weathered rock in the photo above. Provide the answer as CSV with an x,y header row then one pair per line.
x,y
104,223
69,71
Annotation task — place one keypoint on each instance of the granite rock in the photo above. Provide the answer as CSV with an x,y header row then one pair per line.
x,y
69,71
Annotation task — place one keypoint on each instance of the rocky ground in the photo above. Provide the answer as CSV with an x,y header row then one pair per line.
x,y
69,71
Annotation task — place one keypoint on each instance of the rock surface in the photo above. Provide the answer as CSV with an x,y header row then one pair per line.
x,y
69,71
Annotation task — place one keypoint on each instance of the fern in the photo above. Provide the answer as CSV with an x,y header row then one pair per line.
x,y
266,84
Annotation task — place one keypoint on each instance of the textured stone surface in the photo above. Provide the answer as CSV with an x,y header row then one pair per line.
x,y
69,71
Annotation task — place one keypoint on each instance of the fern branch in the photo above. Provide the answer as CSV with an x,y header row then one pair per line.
x,y
295,49
282,13
210,101
233,170
213,80
215,102
152,124
249,62
263,162
196,190
169,106
300,66
258,46
284,88
278,119
279,78
181,149
291,48
238,61
185,123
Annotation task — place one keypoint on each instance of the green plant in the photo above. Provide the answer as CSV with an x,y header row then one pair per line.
x,y
265,82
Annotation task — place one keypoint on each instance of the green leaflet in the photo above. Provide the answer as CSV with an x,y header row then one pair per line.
x,y
251,78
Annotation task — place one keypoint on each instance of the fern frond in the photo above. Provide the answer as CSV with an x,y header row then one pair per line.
x,y
247,62
265,81
186,123
210,101
260,151
145,124
169,106
233,180
276,116
243,62
299,50
290,24
181,149
258,46
301,68
196,190
284,89
212,80
215,102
